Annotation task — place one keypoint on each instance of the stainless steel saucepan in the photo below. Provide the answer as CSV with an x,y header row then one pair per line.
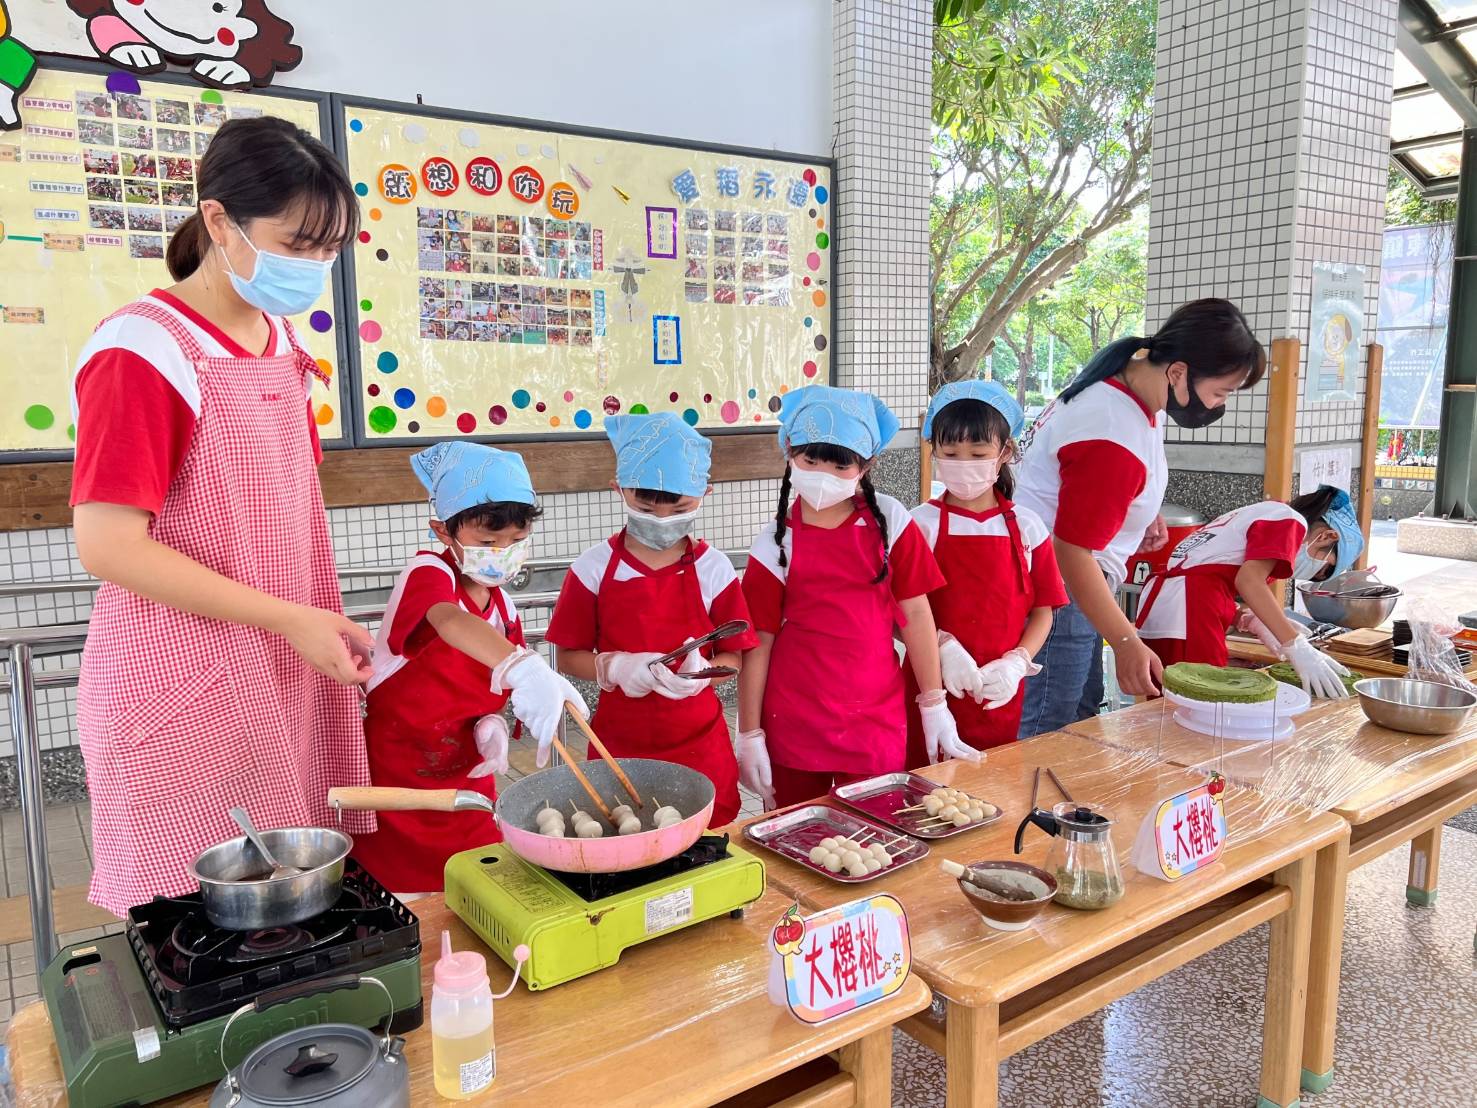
x,y
240,893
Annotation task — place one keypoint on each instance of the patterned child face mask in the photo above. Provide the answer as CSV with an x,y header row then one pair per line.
x,y
494,566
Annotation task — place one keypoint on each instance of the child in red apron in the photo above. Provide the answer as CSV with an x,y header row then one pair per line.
x,y
995,612
647,590
821,698
1188,607
449,658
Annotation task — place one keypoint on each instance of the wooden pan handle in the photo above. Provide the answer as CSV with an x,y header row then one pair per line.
x,y
374,799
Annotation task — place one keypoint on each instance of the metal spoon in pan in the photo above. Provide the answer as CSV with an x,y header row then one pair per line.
x,y
278,869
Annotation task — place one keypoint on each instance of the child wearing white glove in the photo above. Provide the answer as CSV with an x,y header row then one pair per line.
x,y
650,588
995,611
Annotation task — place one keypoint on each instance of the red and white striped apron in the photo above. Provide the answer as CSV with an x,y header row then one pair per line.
x,y
181,717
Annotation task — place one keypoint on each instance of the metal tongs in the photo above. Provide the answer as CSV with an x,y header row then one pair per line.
x,y
723,631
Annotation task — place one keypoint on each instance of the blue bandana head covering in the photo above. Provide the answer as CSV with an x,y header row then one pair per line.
x,y
843,417
462,475
992,393
1340,516
659,451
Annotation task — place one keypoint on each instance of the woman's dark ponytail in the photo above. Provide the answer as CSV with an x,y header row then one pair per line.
x,y
265,167
187,247
870,495
1313,506
1110,361
1210,336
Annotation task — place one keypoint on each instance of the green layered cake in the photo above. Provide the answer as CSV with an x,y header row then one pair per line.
x,y
1284,672
1219,684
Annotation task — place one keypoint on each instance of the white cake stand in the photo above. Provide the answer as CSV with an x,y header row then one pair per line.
x,y
1261,722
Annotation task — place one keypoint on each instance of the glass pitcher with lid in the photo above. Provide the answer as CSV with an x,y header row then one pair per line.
x,y
1081,858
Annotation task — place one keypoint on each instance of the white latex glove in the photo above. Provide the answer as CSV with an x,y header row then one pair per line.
x,y
692,662
940,732
538,696
491,737
754,771
635,676
1000,679
961,675
1319,673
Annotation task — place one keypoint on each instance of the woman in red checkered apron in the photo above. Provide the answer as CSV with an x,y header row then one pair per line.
x,y
219,668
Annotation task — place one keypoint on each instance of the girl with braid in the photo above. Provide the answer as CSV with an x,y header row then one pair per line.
x,y
828,582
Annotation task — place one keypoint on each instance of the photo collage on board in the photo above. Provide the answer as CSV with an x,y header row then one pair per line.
x,y
141,155
470,264
737,257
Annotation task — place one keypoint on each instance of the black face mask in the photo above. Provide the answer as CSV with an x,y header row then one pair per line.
x,y
1194,414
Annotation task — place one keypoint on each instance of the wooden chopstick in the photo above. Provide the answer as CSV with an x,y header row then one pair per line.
x,y
1035,788
1057,781
620,774
579,775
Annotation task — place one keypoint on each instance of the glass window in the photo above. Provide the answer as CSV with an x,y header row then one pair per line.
x,y
1406,75
1438,161
1422,116
1449,11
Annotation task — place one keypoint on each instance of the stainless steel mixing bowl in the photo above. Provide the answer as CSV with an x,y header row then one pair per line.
x,y
1419,707
1352,612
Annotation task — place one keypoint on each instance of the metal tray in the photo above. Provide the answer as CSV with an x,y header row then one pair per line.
x,y
792,834
881,797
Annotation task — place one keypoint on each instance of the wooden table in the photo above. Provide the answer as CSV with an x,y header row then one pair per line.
x,y
684,1019
1390,787
1006,990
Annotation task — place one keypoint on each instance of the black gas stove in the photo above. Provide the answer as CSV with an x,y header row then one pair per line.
x,y
139,1016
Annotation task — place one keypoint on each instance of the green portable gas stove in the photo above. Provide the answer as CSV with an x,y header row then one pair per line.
x,y
577,923
139,1016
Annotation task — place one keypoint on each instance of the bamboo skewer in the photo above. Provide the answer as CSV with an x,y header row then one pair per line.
x,y
620,774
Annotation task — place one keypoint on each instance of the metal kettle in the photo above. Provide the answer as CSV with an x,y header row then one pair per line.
x,y
1081,858
338,1064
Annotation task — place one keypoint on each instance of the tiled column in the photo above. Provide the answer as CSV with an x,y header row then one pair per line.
x,y
1271,140
883,107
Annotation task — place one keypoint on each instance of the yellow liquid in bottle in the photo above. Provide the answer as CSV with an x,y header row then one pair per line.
x,y
463,1066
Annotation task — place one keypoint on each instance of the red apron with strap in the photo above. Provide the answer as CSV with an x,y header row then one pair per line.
x,y
181,717
1209,613
985,605
658,610
413,748
834,699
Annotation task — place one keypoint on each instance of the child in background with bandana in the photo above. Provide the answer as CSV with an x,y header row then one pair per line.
x,y
449,656
829,582
644,592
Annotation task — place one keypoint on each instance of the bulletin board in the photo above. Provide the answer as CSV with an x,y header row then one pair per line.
x,y
515,280
90,189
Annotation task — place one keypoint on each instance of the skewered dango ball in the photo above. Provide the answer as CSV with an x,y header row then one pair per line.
x,y
630,825
872,865
589,829
818,854
828,843
832,861
962,819
619,813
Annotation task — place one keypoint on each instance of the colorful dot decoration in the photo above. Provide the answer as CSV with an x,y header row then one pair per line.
x,y
356,125
211,96
321,322
383,419
120,83
39,417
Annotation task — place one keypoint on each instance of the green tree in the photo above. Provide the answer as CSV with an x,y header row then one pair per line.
x,y
1406,207
1018,205
1102,299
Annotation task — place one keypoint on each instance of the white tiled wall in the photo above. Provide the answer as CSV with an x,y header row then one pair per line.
x,y
1271,124
883,58
884,82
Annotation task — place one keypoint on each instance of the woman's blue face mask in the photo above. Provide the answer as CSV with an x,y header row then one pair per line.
x,y
280,284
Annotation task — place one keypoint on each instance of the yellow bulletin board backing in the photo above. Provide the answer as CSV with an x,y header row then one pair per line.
x,y
90,188
517,280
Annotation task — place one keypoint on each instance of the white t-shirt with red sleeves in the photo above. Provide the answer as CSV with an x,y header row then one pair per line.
x,y
1035,538
912,570
1094,471
1267,531
428,580
574,625
135,400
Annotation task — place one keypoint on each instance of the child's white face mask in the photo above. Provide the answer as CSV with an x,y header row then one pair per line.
x,y
494,566
821,490
967,478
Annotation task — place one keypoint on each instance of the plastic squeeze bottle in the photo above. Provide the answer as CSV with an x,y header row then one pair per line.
x,y
463,1057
